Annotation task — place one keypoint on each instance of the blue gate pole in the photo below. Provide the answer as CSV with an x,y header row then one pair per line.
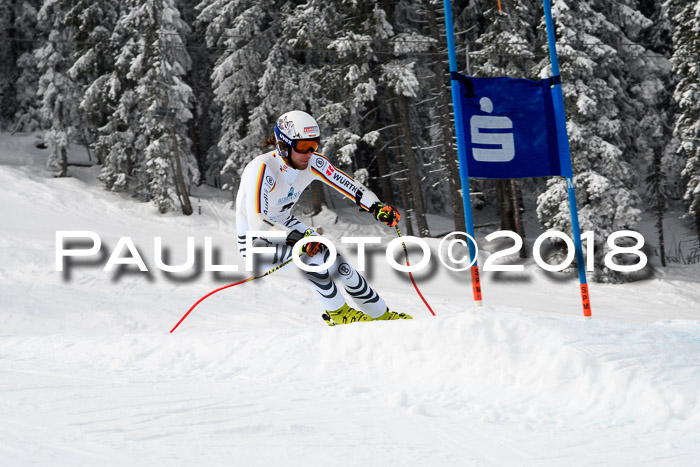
x,y
461,145
565,156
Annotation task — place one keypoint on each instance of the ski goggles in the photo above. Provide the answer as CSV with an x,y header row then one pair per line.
x,y
305,146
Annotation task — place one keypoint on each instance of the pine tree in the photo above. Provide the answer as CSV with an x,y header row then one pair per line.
x,y
204,126
598,55
317,57
27,115
19,76
244,31
8,66
371,82
400,77
686,65
58,92
507,45
355,108
18,33
114,92
146,133
94,22
653,92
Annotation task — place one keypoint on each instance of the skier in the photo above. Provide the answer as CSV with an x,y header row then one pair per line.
x,y
271,185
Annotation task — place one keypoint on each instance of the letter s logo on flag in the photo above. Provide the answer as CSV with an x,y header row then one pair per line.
x,y
500,147
510,128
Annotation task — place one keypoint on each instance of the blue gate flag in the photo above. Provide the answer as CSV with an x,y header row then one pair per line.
x,y
510,127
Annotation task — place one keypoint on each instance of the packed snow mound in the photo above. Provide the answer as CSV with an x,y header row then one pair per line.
x,y
364,389
530,365
91,374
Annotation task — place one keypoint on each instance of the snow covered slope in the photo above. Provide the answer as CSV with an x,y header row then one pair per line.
x,y
90,375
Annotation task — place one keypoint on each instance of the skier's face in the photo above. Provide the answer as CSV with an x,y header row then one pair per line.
x,y
300,160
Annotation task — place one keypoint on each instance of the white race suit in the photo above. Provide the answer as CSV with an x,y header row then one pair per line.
x,y
268,191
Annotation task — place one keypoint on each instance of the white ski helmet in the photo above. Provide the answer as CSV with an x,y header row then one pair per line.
x,y
296,125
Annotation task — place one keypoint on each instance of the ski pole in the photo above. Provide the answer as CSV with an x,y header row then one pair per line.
x,y
228,286
405,252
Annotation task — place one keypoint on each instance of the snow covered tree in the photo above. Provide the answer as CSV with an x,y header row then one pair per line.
x,y
653,91
400,76
507,45
355,107
399,88
371,78
146,135
244,32
8,66
18,76
27,115
686,65
278,56
59,93
598,50
93,21
204,126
